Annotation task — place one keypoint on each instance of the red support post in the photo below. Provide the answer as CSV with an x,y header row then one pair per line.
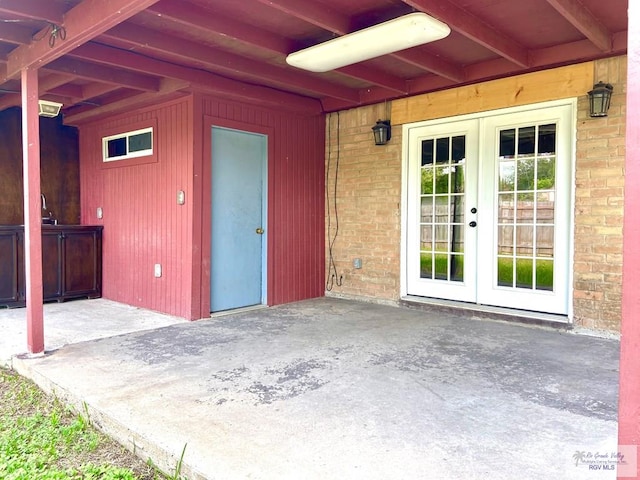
x,y
629,402
32,210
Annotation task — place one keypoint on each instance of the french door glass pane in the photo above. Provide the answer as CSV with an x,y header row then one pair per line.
x,y
442,180
426,265
524,273
526,140
544,242
526,207
442,210
546,173
524,240
544,274
506,208
507,175
441,266
505,240
442,206
457,208
426,238
545,207
457,267
505,272
547,139
457,238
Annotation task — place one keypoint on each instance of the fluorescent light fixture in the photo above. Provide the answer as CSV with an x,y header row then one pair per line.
x,y
387,37
48,109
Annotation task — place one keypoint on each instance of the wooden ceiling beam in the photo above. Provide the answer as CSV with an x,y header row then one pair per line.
x,y
16,34
70,91
45,84
144,40
82,23
96,89
558,55
199,79
581,18
375,76
48,11
225,88
207,22
335,22
53,80
471,27
104,74
143,64
313,13
219,26
126,101
431,64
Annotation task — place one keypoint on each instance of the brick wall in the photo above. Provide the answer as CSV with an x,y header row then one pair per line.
x,y
368,204
368,196
599,205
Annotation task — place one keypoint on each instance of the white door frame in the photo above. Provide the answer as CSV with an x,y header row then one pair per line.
x,y
406,150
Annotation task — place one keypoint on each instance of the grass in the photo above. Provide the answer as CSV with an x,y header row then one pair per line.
x,y
524,270
41,439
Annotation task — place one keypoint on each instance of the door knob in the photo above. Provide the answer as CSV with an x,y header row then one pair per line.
x,y
473,223
474,210
259,230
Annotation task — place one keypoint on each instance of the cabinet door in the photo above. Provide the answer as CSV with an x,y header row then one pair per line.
x,y
9,290
82,269
51,263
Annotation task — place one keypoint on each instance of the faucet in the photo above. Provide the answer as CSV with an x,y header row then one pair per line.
x,y
49,220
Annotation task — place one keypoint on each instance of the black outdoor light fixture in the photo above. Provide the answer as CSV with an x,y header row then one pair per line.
x,y
382,132
600,99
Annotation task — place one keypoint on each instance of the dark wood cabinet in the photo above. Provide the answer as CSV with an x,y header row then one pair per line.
x,y
11,280
71,263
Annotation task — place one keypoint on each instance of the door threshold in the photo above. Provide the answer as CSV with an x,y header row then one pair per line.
x,y
233,311
488,312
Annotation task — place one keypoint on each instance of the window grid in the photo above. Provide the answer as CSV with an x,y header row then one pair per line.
x,y
526,210
442,209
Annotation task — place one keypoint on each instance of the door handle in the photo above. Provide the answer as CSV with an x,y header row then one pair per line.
x,y
474,210
259,230
473,223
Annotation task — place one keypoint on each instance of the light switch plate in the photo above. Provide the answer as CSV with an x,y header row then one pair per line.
x,y
157,270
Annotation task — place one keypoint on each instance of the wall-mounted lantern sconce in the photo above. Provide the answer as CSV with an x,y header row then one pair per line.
x,y
600,99
382,132
48,109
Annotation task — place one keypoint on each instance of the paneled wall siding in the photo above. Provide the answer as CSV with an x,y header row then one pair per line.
x,y
145,226
296,193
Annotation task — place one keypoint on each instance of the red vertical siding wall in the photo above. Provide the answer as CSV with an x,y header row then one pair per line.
x,y
143,224
295,198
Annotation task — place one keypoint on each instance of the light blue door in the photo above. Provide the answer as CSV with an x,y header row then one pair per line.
x,y
238,234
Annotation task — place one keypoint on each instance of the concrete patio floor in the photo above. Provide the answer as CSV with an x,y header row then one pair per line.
x,y
74,322
337,389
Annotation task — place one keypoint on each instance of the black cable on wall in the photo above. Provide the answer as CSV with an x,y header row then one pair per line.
x,y
332,271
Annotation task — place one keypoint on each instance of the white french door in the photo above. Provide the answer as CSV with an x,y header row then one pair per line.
x,y
488,208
